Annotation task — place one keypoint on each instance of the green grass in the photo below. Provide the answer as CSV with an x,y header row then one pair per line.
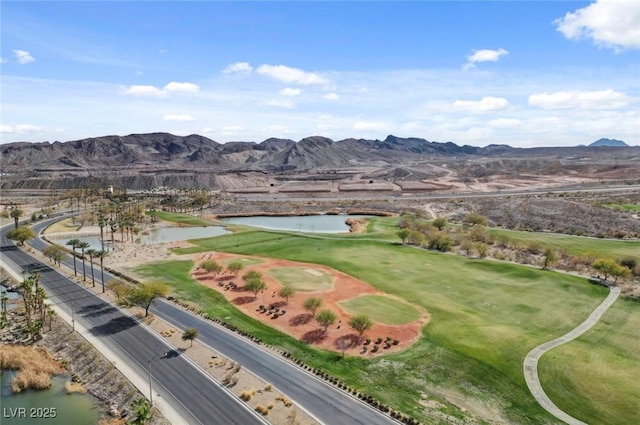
x,y
577,245
381,309
183,219
486,315
302,279
604,365
244,261
624,207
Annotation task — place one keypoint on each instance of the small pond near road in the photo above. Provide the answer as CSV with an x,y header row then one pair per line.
x,y
304,223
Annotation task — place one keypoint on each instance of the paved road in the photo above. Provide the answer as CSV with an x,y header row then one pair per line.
x,y
326,403
190,391
532,358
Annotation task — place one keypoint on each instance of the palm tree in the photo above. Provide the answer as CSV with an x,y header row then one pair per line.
x,y
102,223
83,246
101,254
3,300
50,312
92,253
73,243
16,213
112,224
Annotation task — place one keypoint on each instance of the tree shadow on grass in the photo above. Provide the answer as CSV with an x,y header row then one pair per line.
x,y
347,341
243,300
314,336
300,319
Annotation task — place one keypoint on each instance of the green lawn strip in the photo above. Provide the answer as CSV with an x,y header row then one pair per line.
x,y
604,364
381,309
490,313
244,261
301,279
183,219
624,207
577,245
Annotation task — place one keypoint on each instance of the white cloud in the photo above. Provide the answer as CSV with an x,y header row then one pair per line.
x,y
484,55
22,128
172,117
23,57
486,104
602,99
290,92
181,87
238,68
139,73
371,125
505,123
144,91
152,91
609,23
3,60
282,103
277,129
291,75
331,96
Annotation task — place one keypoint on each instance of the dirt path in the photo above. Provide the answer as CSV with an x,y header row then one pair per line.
x,y
532,358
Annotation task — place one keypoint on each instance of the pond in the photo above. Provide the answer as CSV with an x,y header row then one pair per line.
x,y
304,223
160,235
28,406
173,234
93,241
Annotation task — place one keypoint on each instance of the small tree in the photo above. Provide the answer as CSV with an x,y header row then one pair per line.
x,y
360,323
482,248
605,266
440,223
467,246
235,266
145,293
620,272
403,234
312,304
255,285
212,266
252,274
121,289
550,257
326,318
21,234
287,291
190,334
475,219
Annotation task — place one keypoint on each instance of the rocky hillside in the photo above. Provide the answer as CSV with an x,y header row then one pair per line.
x,y
140,161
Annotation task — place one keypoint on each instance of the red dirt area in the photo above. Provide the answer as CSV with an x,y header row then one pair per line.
x,y
297,321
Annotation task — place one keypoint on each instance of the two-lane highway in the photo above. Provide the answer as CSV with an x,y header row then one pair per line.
x,y
193,394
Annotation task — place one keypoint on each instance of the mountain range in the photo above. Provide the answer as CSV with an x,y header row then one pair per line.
x,y
161,156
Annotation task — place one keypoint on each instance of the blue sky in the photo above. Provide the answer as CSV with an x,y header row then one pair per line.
x,y
540,73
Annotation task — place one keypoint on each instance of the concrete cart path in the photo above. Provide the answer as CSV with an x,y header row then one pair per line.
x,y
531,360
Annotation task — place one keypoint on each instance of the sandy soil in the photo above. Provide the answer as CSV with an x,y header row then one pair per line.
x,y
297,321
